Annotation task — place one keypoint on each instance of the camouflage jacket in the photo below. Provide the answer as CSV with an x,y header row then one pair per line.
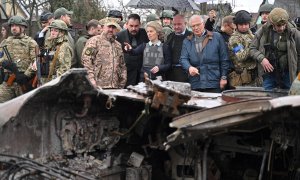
x,y
64,56
22,51
104,61
239,48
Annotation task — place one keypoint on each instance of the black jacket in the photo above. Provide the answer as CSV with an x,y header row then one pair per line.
x,y
176,48
134,61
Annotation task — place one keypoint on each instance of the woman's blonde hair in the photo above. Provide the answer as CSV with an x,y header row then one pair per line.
x,y
158,28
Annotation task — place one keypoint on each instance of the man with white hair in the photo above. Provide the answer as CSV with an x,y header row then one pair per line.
x,y
204,57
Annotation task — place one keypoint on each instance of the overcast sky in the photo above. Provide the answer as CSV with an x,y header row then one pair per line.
x,y
249,5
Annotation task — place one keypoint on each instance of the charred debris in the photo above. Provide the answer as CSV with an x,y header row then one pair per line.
x,y
66,129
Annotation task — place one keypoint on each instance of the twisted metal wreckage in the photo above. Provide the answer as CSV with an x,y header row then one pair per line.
x,y
66,129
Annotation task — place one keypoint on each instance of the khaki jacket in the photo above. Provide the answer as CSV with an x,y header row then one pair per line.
x,y
104,61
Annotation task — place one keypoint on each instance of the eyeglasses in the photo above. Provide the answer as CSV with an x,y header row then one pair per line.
x,y
196,25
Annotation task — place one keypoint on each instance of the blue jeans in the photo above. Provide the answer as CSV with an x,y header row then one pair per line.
x,y
270,81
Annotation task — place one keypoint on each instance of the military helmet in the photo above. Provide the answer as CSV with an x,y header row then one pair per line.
x,y
241,17
152,17
167,14
115,14
265,8
19,20
297,21
278,16
59,24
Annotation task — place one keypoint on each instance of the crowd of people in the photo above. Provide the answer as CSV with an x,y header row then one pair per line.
x,y
117,54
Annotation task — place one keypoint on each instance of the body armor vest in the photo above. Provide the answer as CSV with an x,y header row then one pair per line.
x,y
153,55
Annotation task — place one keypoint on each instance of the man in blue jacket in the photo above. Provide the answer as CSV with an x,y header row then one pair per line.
x,y
205,58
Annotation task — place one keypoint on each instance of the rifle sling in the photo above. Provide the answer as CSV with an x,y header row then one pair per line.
x,y
52,67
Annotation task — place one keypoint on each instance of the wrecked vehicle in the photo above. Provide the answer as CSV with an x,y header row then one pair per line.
x,y
66,129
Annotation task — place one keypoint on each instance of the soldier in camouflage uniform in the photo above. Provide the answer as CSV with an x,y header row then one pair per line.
x,y
244,73
22,49
59,52
166,18
103,58
66,16
276,48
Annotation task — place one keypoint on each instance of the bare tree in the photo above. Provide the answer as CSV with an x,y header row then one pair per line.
x,y
84,10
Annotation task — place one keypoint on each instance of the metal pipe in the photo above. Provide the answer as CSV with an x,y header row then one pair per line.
x,y
204,164
270,155
262,167
198,175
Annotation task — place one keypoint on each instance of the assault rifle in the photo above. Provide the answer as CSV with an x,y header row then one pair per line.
x,y
38,60
43,60
10,65
15,75
273,59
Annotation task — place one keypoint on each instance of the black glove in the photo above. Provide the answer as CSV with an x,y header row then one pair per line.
x,y
21,78
5,64
9,66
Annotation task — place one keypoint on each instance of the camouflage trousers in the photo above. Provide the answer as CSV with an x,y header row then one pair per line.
x,y
244,78
9,92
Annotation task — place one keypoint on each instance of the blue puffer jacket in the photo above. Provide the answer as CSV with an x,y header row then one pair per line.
x,y
212,63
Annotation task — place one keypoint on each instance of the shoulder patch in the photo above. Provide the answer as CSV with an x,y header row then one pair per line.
x,y
89,51
237,48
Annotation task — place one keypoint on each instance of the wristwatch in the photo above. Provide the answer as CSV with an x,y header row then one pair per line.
x,y
224,77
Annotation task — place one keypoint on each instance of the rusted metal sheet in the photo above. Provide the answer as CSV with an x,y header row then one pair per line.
x,y
168,96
